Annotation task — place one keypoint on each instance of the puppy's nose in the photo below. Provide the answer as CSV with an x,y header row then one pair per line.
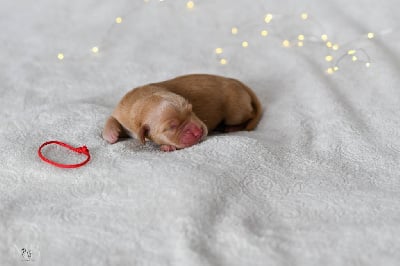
x,y
194,130
197,132
192,134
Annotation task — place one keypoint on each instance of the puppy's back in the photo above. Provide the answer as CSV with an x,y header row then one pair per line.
x,y
203,93
215,97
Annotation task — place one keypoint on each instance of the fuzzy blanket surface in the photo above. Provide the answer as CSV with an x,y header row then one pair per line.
x,y
317,183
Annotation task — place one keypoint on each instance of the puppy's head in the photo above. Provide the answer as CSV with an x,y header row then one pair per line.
x,y
170,120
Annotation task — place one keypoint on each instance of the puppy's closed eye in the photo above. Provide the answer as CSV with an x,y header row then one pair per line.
x,y
171,126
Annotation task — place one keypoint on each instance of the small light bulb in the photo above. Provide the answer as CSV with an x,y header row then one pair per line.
x,y
223,61
234,30
354,58
190,5
301,37
218,50
324,37
329,44
118,20
264,33
268,18
329,70
351,52
286,43
335,47
335,68
304,16
60,56
368,64
328,58
300,44
370,35
95,49
245,44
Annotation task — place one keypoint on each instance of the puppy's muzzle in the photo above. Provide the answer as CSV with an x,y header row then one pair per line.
x,y
192,134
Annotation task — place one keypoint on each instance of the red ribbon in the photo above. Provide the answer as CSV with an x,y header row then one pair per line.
x,y
83,150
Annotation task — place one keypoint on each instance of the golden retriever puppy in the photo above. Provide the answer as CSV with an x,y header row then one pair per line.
x,y
180,112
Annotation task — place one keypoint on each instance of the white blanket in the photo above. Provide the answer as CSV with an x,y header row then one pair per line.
x,y
317,183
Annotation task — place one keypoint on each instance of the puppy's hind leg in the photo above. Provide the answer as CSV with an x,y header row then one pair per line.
x,y
113,130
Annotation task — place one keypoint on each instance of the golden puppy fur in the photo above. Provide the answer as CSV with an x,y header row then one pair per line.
x,y
180,112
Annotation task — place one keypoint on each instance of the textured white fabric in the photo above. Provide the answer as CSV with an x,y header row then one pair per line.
x,y
318,182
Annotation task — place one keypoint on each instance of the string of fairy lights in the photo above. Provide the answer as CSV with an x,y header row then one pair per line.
x,y
118,20
300,40
356,55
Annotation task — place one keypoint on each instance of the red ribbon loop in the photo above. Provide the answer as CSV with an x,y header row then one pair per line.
x,y
82,150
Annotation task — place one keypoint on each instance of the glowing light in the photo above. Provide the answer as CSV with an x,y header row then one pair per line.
x,y
335,47
300,44
301,37
329,44
328,58
336,68
330,70
354,58
264,33
95,49
218,50
223,61
370,35
190,5
351,52
268,18
118,20
368,64
286,43
324,37
245,44
60,56
304,16
234,30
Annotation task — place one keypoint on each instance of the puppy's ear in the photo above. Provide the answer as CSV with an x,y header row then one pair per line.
x,y
143,133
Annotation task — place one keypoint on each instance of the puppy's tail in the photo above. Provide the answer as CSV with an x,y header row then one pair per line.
x,y
257,110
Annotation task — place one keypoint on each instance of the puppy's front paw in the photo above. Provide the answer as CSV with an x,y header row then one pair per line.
x,y
111,136
112,130
167,148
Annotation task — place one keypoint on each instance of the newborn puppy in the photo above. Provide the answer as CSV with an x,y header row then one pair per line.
x,y
180,112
